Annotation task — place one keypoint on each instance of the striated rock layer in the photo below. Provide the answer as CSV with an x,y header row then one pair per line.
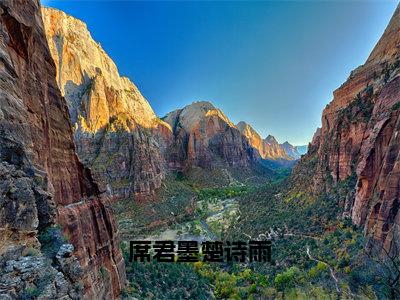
x,y
42,181
360,137
291,151
116,131
268,148
204,136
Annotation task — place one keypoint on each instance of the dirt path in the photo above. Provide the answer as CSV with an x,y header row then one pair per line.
x,y
207,228
330,269
232,181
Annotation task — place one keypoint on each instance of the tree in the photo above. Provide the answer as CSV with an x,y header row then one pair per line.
x,y
388,265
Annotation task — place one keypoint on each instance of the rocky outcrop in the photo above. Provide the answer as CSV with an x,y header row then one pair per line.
x,y
42,181
116,131
274,149
204,136
360,137
28,274
268,148
291,150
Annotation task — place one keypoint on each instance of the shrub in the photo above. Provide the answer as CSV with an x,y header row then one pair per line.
x,y
51,239
287,279
269,292
103,272
396,106
321,266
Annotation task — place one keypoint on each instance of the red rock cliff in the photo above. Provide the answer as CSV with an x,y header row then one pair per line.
x,y
268,148
204,136
116,131
360,137
36,142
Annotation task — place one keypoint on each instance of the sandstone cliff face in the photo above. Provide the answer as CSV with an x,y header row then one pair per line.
x,y
116,130
360,137
273,148
42,181
268,148
291,150
204,136
254,138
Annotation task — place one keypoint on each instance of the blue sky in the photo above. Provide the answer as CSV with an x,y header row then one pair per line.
x,y
271,64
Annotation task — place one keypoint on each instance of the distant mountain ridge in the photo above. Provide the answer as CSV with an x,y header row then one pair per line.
x,y
117,133
269,148
302,149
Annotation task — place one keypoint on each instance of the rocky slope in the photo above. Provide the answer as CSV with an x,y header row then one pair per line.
x,y
204,136
291,150
273,147
360,138
268,148
116,130
117,133
42,181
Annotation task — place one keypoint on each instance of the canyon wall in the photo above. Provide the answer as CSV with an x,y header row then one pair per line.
x,y
360,139
118,135
268,148
116,131
42,181
205,137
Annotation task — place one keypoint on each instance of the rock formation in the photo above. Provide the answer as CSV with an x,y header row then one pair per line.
x,y
291,150
268,148
360,137
116,131
204,136
42,182
274,149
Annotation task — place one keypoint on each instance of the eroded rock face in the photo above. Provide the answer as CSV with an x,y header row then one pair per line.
x,y
273,148
115,127
360,137
204,136
291,150
117,133
31,275
42,181
268,148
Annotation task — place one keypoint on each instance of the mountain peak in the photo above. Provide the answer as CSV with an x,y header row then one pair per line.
x,y
270,139
202,104
387,47
191,115
94,73
243,126
291,150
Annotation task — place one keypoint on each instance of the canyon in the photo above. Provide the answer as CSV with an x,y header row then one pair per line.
x,y
117,133
76,137
115,127
43,183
